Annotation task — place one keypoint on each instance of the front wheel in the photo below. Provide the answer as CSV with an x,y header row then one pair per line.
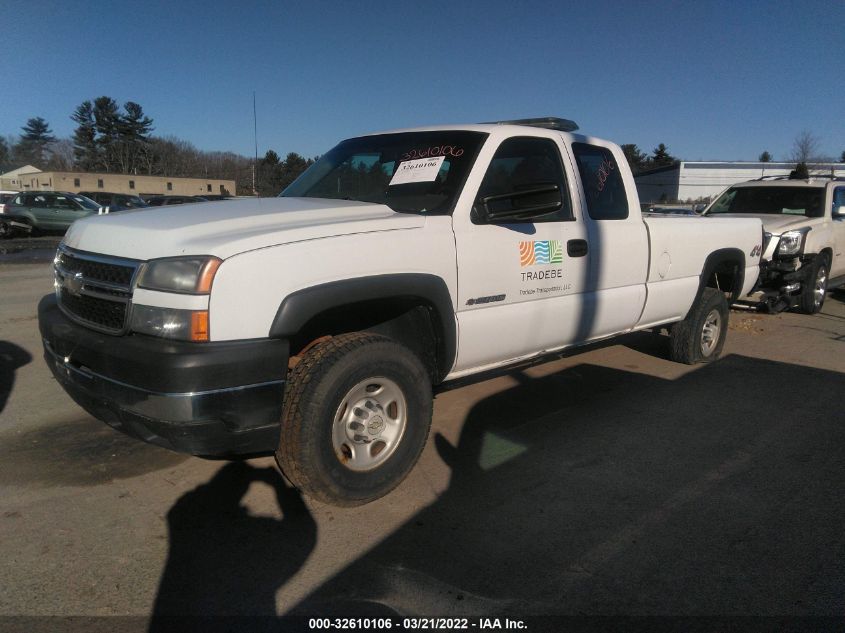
x,y
701,336
356,417
814,289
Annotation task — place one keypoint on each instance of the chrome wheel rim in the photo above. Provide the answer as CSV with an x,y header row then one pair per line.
x,y
820,287
710,332
369,424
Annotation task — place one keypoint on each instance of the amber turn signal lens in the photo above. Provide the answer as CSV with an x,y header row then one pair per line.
x,y
199,326
206,275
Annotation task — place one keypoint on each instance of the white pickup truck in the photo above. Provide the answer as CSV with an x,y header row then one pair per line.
x,y
315,324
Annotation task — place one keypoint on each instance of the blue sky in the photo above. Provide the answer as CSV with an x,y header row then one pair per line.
x,y
711,80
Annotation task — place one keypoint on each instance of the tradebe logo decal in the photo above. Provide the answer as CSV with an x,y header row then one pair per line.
x,y
536,253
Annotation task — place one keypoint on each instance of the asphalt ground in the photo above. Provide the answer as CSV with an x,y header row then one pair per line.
x,y
611,482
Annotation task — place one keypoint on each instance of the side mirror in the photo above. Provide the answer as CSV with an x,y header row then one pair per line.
x,y
522,205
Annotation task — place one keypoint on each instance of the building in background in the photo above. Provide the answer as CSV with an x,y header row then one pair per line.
x,y
696,181
31,179
11,180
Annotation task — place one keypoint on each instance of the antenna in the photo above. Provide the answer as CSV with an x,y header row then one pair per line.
x,y
255,135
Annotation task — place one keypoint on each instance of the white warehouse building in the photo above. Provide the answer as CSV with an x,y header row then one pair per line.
x,y
693,181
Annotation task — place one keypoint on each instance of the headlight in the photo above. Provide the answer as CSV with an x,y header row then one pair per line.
x,y
791,243
188,275
183,325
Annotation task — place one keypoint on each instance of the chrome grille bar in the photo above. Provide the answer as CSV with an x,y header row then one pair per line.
x,y
95,290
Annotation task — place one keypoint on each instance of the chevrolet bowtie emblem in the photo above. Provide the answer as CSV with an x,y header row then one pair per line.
x,y
73,284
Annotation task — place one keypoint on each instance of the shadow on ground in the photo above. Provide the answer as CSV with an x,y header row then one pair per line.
x,y
599,491
84,452
12,358
223,561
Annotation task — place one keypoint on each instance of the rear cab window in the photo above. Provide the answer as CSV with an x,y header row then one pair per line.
x,y
602,182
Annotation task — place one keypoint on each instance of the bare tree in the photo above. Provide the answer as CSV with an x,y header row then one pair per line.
x,y
805,148
62,156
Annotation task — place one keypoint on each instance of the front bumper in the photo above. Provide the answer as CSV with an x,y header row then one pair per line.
x,y
779,286
212,399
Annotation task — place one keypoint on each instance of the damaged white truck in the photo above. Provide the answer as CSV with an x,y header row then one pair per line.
x,y
314,325
804,237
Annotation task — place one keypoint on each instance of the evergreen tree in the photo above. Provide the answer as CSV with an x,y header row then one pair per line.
x,y
85,149
106,124
765,157
801,172
134,129
842,158
661,156
5,155
637,161
33,146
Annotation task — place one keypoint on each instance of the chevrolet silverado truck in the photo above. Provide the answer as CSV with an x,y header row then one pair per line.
x,y
804,240
315,324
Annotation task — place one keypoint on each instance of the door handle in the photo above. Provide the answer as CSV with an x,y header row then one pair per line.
x,y
576,248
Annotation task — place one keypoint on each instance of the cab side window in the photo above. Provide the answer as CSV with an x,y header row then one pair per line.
x,y
525,182
602,181
838,200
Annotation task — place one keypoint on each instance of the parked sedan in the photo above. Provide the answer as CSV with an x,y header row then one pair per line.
x,y
159,201
115,201
50,210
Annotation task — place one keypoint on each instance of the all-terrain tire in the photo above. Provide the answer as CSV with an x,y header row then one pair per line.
x,y
814,289
342,394
700,337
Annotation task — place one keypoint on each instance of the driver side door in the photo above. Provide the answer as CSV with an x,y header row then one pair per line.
x,y
522,256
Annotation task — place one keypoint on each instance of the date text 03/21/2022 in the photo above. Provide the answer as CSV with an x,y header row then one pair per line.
x,y
415,624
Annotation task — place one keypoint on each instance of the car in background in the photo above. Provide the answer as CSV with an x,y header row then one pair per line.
x,y
163,201
115,201
803,251
50,210
5,196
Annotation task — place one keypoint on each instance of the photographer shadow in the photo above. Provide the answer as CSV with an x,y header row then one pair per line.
x,y
12,358
225,562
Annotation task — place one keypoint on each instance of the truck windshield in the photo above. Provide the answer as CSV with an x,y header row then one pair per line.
x,y
806,201
411,172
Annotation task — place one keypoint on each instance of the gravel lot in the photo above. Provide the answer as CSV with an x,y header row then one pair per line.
x,y
608,482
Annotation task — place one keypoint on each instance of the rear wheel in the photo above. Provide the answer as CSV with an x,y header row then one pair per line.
x,y
701,336
5,229
814,289
356,417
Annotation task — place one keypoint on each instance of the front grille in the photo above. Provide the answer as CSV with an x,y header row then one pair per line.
x,y
92,270
95,290
109,315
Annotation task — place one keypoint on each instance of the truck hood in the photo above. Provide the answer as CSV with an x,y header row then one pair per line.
x,y
774,224
228,227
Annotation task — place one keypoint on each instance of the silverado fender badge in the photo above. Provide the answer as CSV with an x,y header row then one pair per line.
x,y
480,300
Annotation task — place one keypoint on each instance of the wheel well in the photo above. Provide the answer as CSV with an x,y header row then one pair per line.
x,y
408,320
727,276
723,270
828,253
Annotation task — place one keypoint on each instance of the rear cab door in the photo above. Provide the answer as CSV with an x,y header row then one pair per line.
x,y
615,290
